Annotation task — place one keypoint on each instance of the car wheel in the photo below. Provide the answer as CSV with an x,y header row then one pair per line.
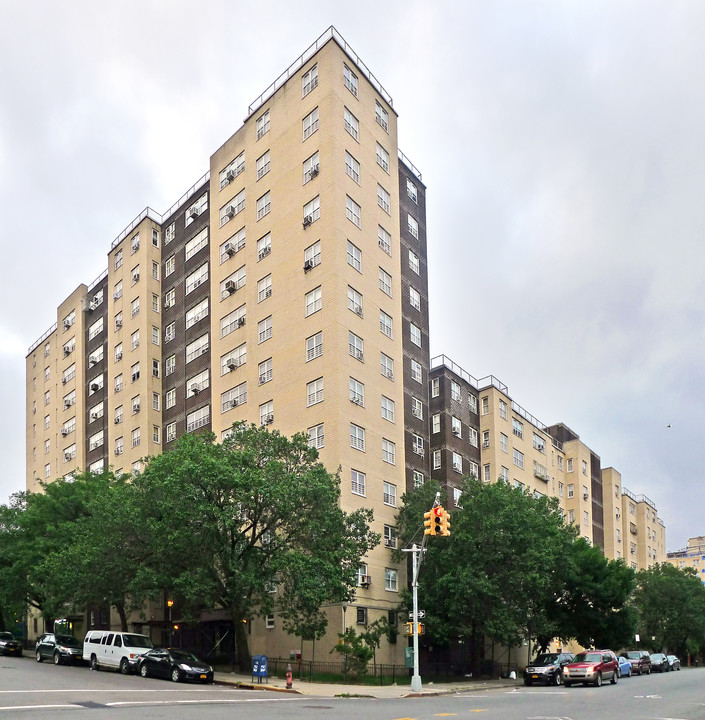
x,y
144,672
614,678
558,678
124,667
598,680
527,682
176,675
57,659
629,672
39,657
94,663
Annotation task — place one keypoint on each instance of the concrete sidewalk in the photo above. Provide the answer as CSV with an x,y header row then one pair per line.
x,y
301,687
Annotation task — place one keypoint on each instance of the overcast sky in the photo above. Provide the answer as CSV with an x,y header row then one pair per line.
x,y
562,144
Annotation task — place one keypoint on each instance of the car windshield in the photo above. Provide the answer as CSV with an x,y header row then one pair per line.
x,y
183,656
657,656
632,655
546,659
6,636
68,641
591,657
137,641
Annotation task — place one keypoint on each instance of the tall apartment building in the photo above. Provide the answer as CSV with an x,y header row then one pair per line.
x,y
477,429
288,287
692,556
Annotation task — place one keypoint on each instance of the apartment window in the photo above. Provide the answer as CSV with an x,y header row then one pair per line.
x,y
197,348
311,168
357,437
414,262
456,426
95,329
232,170
584,464
351,124
385,323
232,245
414,298
135,307
387,366
118,383
263,165
354,301
384,240
232,321
473,436
233,397
312,255
569,465
539,443
266,412
412,225
356,346
518,458
314,346
416,408
415,334
416,371
117,418
169,298
560,462
155,433
233,359
381,116
264,329
316,436
68,374
486,439
263,124
264,371
169,265
196,243
264,205
314,392
390,579
96,384
419,479
357,392
118,259
411,190
389,493
135,437
383,199
95,440
155,368
155,270
233,282
196,278
155,302
382,158
47,397
264,246
357,482
264,288
586,517
312,211
198,419
560,489
585,492
517,428
389,451
571,516
196,313
170,233
354,256
455,392
135,404
435,387
352,211
436,459
571,490
350,79
170,398
385,282
387,409
197,383
352,167
436,423
417,444
314,301
504,474
457,462
135,275
171,432
504,442
47,422
390,537
135,244
310,123
472,403
232,208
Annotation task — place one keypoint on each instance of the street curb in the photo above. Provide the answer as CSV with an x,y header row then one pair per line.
x,y
256,686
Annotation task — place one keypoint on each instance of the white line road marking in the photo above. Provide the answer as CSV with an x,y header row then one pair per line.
x,y
98,690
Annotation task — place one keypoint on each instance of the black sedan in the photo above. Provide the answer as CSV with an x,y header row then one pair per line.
x,y
9,645
174,664
673,662
659,663
59,649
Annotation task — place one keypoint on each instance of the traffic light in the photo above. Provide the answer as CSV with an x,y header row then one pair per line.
x,y
438,514
408,628
428,524
445,524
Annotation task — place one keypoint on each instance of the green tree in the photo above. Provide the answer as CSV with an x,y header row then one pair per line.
x,y
500,569
356,650
670,603
252,525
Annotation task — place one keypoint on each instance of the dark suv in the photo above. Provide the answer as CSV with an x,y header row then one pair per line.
x,y
59,649
547,668
640,660
9,644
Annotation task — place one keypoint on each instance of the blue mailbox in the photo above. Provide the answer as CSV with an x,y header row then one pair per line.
x,y
260,667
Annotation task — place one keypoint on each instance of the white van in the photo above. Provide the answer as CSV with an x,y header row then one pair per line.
x,y
118,650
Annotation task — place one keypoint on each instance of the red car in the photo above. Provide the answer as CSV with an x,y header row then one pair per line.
x,y
592,667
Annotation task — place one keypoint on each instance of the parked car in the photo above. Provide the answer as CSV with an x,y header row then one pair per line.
x,y
673,662
9,645
118,650
592,667
659,662
640,660
174,664
59,648
547,668
625,666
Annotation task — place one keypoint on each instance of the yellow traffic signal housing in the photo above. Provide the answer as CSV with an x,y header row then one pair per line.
x,y
445,524
438,514
428,524
409,628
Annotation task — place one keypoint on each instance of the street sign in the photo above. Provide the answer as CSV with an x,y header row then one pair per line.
x,y
422,614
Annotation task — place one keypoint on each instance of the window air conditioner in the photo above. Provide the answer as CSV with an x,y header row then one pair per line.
x,y
230,211
118,356
313,171
241,321
358,354
235,402
229,249
365,581
264,252
136,408
357,309
389,374
308,265
619,516
195,389
117,420
67,456
64,380
135,277
269,419
116,296
67,404
95,387
94,416
230,175
194,212
390,542
307,221
585,496
92,361
231,363
118,324
67,324
456,432
262,379
230,286
92,306
66,352
118,451
64,432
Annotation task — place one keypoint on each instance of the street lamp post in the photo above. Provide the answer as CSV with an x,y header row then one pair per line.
x,y
170,604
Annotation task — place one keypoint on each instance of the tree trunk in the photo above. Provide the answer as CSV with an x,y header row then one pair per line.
x,y
120,607
241,647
